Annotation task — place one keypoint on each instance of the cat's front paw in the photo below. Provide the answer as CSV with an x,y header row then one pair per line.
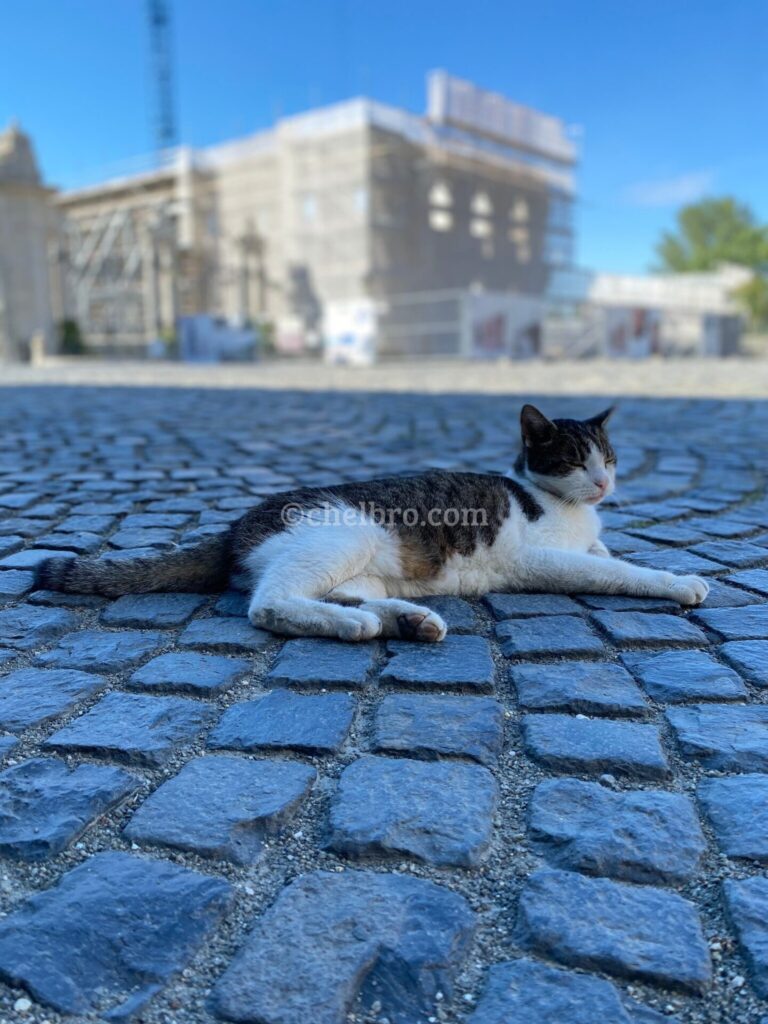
x,y
428,628
688,589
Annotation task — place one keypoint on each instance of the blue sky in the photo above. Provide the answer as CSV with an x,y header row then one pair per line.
x,y
671,96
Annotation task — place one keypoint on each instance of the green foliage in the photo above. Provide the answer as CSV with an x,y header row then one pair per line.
x,y
71,341
754,297
267,337
170,338
712,232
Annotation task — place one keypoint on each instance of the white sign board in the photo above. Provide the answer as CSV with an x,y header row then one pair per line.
x,y
350,332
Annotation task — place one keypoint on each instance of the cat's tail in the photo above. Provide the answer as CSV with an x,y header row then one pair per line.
x,y
204,567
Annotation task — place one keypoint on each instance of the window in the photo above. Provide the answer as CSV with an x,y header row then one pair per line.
x,y
520,238
558,249
559,214
360,200
520,212
309,208
440,195
480,228
481,222
481,205
440,220
440,203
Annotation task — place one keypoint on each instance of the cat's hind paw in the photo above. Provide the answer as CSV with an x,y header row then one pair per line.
x,y
689,590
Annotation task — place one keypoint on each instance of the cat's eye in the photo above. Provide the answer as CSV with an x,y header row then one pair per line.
x,y
611,461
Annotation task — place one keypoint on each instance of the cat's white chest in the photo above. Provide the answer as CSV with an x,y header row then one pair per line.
x,y
572,528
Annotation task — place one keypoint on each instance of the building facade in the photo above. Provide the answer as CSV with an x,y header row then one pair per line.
x,y
27,228
357,201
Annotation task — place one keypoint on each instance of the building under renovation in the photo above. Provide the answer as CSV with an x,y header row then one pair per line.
x,y
373,230
358,203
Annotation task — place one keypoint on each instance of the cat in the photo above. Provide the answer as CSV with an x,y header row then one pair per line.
x,y
350,561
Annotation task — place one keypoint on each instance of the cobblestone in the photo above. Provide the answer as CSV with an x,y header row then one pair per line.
x,y
753,579
721,595
25,627
151,610
747,901
594,688
186,672
647,629
428,725
304,962
439,812
222,807
738,553
150,537
749,623
737,809
679,676
514,606
578,744
723,737
98,651
80,543
676,560
32,696
121,473
112,931
457,662
30,558
643,836
284,720
322,663
232,602
749,657
45,806
556,635
57,599
15,582
622,603
134,728
535,993
218,634
603,925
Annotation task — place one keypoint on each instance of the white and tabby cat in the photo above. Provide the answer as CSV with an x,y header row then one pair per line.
x,y
351,561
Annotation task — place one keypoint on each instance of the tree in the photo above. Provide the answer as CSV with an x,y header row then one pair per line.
x,y
717,231
754,297
70,339
712,232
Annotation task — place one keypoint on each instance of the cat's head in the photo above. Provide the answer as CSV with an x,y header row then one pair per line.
x,y
572,459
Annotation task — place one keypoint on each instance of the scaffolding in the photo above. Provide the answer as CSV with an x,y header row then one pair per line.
x,y
353,201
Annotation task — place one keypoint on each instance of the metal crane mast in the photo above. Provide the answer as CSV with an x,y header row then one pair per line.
x,y
162,73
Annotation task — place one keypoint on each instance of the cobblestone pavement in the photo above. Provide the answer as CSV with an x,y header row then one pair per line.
x,y
560,814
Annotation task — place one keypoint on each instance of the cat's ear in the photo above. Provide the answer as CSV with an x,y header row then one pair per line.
x,y
535,427
602,417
